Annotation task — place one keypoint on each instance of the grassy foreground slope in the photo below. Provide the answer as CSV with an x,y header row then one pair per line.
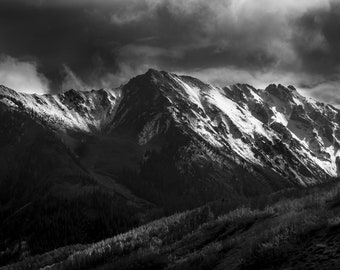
x,y
292,229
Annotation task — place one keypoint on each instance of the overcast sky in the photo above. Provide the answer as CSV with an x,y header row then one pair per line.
x,y
54,45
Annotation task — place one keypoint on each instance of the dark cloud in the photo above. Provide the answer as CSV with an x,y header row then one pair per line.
x,y
103,43
56,36
317,40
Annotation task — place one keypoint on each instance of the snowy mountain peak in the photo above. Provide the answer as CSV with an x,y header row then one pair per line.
x,y
72,110
275,129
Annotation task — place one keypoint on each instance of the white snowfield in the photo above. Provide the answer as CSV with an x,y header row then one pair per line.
x,y
239,117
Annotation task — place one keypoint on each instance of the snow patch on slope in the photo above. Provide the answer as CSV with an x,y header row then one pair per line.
x,y
242,118
86,111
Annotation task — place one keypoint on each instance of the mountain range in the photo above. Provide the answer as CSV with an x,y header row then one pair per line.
x,y
81,166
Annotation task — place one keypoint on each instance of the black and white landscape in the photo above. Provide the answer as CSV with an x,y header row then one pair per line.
x,y
108,162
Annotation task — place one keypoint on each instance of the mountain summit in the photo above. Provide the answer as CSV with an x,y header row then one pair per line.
x,y
275,128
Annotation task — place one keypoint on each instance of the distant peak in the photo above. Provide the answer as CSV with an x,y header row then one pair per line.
x,y
155,72
6,90
272,86
70,91
291,87
79,92
150,75
152,70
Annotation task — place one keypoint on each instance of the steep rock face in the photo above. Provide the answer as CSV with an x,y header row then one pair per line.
x,y
142,109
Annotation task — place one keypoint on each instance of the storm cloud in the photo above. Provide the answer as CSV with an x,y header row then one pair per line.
x,y
94,44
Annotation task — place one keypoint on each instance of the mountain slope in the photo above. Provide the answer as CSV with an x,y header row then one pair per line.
x,y
159,144
235,119
292,229
216,135
47,197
